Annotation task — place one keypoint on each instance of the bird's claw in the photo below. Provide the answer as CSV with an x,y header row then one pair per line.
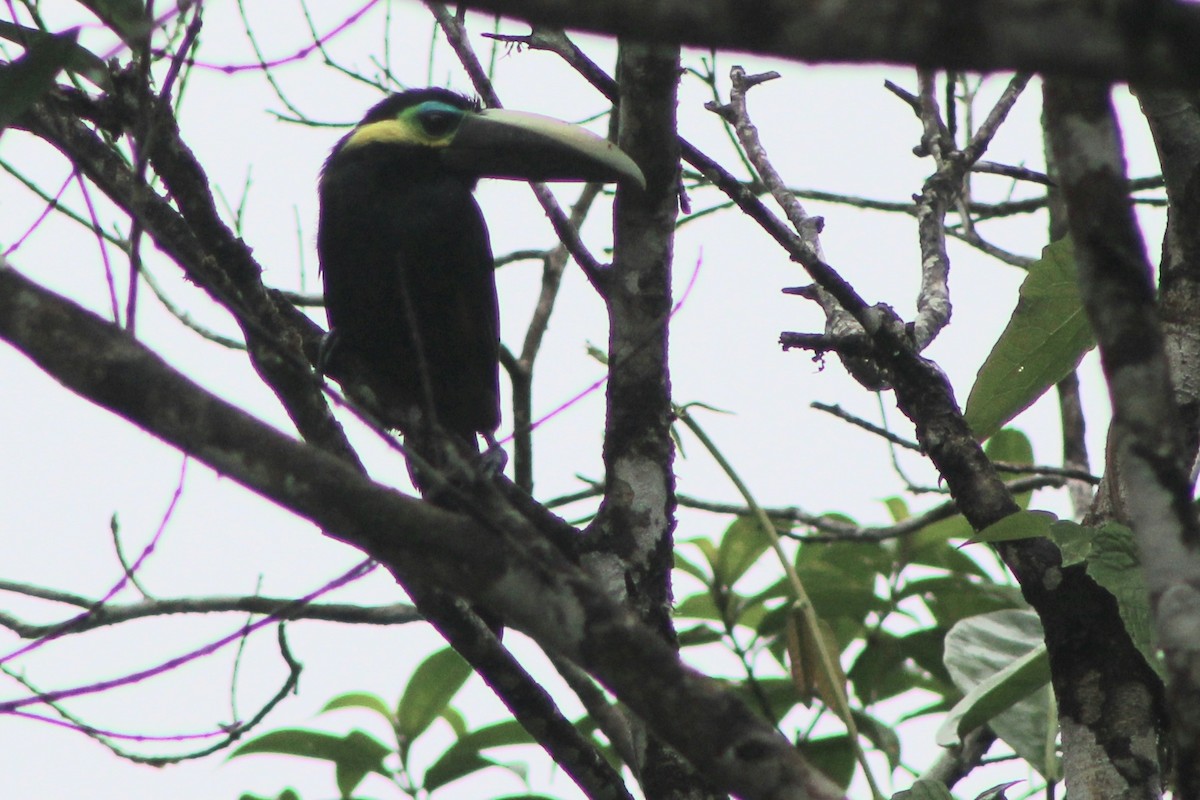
x,y
494,459
329,344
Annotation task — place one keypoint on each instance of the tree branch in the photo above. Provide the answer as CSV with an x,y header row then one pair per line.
x,y
1152,488
282,608
517,572
1148,41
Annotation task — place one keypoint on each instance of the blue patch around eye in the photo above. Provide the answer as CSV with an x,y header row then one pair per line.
x,y
437,105
437,118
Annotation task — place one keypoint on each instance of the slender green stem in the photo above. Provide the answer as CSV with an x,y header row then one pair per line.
x,y
802,605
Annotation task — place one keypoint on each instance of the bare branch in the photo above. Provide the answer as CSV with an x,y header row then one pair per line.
x,y
279,608
513,571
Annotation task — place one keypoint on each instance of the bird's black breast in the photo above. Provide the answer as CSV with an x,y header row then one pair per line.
x,y
409,284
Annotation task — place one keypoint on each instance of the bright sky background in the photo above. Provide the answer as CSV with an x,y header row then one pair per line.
x,y
67,467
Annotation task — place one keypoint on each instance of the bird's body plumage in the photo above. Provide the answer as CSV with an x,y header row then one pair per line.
x,y
405,255
409,286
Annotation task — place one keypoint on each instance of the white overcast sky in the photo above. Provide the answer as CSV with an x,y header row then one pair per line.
x,y
66,467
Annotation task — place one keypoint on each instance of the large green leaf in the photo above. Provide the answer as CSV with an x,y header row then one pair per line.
x,y
833,756
361,700
891,665
361,754
996,695
931,546
951,598
1011,446
981,652
840,580
744,541
1018,525
353,755
464,757
455,764
699,606
1045,339
881,735
429,691
696,572
1112,559
699,635
24,81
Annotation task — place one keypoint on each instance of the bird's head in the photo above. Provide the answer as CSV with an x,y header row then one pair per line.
x,y
489,143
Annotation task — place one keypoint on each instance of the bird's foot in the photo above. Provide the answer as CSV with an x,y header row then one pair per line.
x,y
329,345
493,460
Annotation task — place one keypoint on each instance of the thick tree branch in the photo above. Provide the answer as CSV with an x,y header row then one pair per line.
x,y
1149,41
283,341
517,572
1174,120
1149,460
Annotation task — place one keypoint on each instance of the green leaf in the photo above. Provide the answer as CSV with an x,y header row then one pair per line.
x,y
293,742
429,691
840,579
360,700
463,757
286,794
980,648
79,60
1011,446
501,734
833,756
699,606
777,694
998,693
699,635
898,508
1020,525
455,763
1046,338
1073,540
881,735
931,546
891,665
1112,560
456,721
353,755
696,572
951,598
707,549
361,754
744,541
24,81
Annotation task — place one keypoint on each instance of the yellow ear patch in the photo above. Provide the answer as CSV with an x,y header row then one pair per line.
x,y
431,124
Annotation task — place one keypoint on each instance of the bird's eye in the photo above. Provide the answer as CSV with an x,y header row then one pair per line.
x,y
438,121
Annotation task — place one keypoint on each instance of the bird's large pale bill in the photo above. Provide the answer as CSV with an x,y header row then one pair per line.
x,y
498,143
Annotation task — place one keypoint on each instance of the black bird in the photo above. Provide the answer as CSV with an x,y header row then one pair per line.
x,y
405,256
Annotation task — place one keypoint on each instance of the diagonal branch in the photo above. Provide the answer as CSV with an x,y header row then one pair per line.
x,y
283,341
517,572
